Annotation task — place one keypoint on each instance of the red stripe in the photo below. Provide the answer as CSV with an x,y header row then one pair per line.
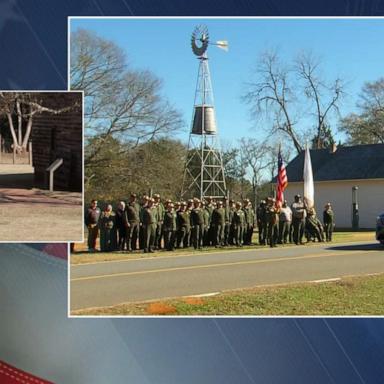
x,y
57,250
282,183
12,375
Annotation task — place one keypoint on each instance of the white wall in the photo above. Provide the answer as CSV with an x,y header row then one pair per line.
x,y
339,194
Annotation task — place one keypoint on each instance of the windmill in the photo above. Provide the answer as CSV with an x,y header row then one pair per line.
x,y
204,171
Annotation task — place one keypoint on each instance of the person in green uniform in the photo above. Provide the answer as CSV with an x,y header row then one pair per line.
x,y
313,227
249,222
169,227
238,223
197,224
272,218
227,224
183,225
218,222
206,223
209,206
261,222
121,225
132,222
144,204
149,223
92,218
107,226
231,235
160,214
329,221
188,240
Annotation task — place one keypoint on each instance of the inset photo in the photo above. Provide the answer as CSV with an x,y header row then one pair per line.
x,y
232,167
41,166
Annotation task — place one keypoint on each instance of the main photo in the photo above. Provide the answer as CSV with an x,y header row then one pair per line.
x,y
232,166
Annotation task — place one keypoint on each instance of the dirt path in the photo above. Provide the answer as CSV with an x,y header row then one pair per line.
x,y
30,214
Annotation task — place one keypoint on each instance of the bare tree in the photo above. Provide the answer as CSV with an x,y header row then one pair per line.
x,y
119,102
276,94
325,97
255,154
20,109
367,127
272,95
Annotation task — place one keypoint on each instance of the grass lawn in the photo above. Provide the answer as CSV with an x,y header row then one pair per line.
x,y
348,296
81,256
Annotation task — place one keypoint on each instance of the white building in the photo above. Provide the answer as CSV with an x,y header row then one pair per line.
x,y
335,174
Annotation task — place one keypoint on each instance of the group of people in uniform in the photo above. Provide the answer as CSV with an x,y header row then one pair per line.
x,y
153,224
290,224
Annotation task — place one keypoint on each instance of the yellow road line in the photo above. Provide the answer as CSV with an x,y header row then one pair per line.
x,y
205,266
257,248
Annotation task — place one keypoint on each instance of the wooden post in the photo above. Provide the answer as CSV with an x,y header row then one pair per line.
x,y
30,152
14,155
51,171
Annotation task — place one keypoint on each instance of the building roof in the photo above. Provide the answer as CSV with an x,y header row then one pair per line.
x,y
346,163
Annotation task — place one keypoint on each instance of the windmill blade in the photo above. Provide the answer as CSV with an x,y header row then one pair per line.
x,y
222,44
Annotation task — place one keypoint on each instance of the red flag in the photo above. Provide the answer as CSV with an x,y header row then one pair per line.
x,y
282,180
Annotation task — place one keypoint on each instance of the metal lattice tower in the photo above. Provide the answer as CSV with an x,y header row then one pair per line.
x,y
204,171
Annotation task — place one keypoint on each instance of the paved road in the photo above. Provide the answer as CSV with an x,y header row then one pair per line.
x,y
31,214
109,283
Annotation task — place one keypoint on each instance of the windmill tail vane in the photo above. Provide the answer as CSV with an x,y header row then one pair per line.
x,y
222,44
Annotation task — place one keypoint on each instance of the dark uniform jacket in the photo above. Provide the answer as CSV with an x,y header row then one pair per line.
x,y
328,216
169,221
197,216
133,212
120,218
271,215
260,213
218,216
107,220
149,216
183,219
92,217
238,218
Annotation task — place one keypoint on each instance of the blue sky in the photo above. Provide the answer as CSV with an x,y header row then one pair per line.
x,y
348,48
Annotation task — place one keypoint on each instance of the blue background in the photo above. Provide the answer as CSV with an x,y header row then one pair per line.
x,y
33,47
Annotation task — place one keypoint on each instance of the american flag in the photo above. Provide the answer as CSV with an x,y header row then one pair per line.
x,y
282,180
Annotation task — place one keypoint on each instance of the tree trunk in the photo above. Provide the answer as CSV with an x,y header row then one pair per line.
x,y
12,129
19,124
27,132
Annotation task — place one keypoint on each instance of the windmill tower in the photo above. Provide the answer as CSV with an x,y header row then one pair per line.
x,y
204,170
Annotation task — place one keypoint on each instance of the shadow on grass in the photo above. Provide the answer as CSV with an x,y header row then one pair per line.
x,y
358,247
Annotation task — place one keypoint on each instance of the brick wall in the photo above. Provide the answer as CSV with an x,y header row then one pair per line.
x,y
59,136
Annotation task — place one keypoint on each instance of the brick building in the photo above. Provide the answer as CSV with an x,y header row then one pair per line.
x,y
57,136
